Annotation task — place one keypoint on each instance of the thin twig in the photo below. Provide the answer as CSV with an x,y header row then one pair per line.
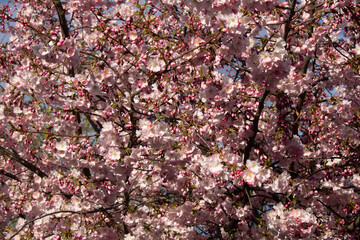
x,y
65,211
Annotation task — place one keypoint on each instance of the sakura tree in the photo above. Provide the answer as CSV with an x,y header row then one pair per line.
x,y
170,119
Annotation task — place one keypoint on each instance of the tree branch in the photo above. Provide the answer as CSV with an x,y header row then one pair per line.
x,y
255,129
23,162
9,175
355,224
64,27
62,20
302,96
288,20
59,212
330,208
92,123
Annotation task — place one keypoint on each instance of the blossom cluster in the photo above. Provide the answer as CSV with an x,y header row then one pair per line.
x,y
180,119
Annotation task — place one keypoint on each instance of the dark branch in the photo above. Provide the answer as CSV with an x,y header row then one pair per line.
x,y
302,96
288,20
92,123
58,212
23,162
355,224
62,20
255,128
330,208
9,175
64,27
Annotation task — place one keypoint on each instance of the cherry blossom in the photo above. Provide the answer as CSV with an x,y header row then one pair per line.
x,y
174,119
156,64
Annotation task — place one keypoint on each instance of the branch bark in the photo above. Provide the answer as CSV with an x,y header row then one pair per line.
x,y
23,162
64,27
302,96
62,20
9,175
62,212
288,20
251,141
93,124
355,224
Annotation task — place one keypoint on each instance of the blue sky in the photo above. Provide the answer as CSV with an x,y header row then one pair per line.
x,y
4,37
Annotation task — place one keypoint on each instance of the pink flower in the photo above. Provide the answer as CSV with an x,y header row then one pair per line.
x,y
61,146
133,35
281,184
155,64
70,52
102,24
295,148
356,180
211,92
249,177
213,164
356,50
114,154
254,166
107,127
